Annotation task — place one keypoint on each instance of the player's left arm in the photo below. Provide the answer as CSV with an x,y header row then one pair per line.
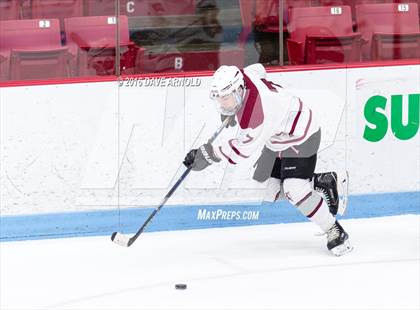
x,y
295,128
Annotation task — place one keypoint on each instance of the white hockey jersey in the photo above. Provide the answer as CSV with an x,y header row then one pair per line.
x,y
269,116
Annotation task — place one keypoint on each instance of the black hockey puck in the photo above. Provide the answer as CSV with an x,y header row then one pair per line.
x,y
180,286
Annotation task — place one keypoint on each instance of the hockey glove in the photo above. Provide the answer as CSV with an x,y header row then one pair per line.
x,y
231,122
201,158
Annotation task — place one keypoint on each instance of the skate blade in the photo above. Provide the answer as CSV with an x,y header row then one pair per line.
x,y
342,249
320,234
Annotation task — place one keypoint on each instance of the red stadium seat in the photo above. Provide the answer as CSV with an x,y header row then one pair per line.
x,y
32,43
57,9
350,3
31,65
93,39
267,13
141,7
389,30
322,35
29,34
9,9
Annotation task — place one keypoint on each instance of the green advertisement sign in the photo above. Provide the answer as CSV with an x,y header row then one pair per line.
x,y
379,121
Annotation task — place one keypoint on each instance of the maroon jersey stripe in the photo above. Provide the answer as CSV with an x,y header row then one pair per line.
x,y
236,150
316,209
300,138
227,157
303,199
249,139
251,114
296,118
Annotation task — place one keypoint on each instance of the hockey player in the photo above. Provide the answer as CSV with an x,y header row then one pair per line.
x,y
280,126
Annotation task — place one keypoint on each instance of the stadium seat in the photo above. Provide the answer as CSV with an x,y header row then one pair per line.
x,y
267,13
141,7
93,40
9,9
28,65
32,43
57,9
389,30
322,35
350,3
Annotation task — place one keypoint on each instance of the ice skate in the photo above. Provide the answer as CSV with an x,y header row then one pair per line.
x,y
326,185
338,242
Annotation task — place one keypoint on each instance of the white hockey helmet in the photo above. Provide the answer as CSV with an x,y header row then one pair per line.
x,y
228,89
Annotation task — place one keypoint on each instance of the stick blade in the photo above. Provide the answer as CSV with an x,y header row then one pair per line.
x,y
120,239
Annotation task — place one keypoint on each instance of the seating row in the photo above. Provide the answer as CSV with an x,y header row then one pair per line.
x,y
364,30
325,34
267,11
33,49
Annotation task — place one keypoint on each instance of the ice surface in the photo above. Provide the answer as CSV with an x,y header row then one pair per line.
x,y
256,267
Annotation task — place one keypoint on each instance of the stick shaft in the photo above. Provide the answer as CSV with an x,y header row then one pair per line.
x,y
174,187
165,199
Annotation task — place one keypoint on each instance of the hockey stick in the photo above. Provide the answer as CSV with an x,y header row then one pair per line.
x,y
123,240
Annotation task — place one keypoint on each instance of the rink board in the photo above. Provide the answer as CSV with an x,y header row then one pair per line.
x,y
106,152
99,223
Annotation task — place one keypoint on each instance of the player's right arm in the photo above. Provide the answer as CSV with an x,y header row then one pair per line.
x,y
240,147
